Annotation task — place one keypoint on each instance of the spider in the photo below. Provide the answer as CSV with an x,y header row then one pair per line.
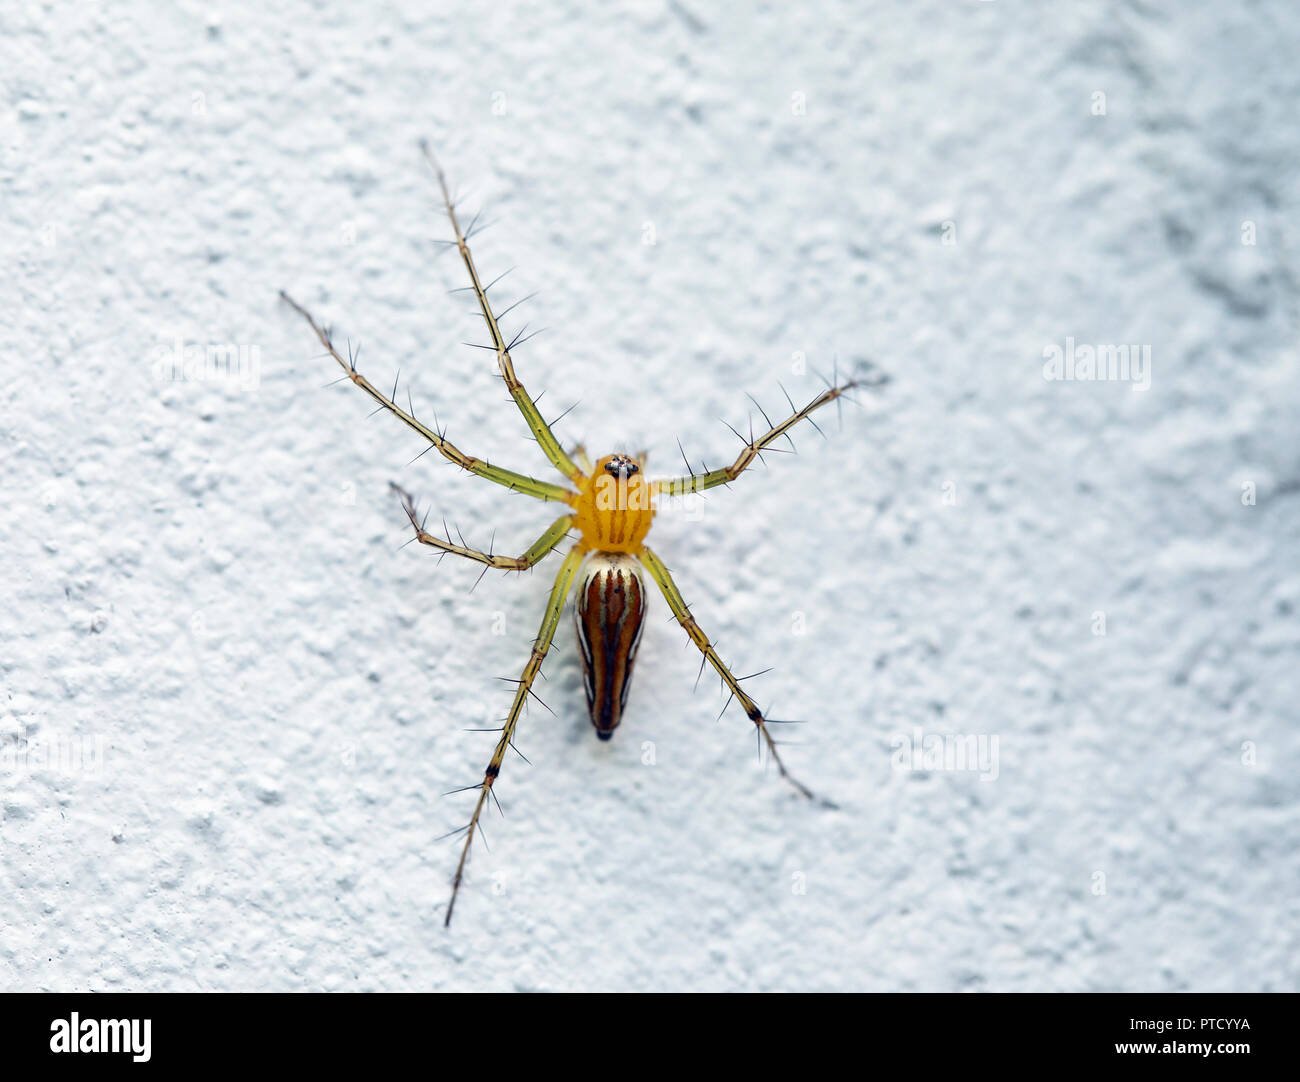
x,y
611,505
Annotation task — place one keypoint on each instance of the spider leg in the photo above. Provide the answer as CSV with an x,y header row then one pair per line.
x,y
697,482
537,552
584,459
542,644
542,490
527,405
680,610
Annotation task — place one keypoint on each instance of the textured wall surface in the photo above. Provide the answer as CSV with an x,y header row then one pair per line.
x,y
230,705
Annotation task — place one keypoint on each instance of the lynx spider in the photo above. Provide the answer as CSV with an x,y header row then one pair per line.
x,y
611,505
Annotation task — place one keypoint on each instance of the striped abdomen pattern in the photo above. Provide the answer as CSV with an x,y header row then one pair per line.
x,y
610,613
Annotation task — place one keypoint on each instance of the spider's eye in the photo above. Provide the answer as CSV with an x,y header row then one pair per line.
x,y
622,466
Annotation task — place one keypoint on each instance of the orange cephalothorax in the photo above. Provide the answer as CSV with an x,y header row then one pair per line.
x,y
613,510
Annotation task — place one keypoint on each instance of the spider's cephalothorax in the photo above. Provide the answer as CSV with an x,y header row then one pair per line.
x,y
611,505
613,508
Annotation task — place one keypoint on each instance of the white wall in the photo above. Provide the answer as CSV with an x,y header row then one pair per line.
x,y
203,578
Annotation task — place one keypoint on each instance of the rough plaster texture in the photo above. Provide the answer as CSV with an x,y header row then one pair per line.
x,y
259,700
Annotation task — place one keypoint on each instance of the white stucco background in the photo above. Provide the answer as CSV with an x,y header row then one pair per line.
x,y
230,704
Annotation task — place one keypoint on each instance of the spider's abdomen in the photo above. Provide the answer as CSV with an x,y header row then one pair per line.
x,y
610,613
613,509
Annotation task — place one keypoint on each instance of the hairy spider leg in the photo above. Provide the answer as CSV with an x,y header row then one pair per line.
x,y
538,551
531,486
698,482
541,645
527,406
673,596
